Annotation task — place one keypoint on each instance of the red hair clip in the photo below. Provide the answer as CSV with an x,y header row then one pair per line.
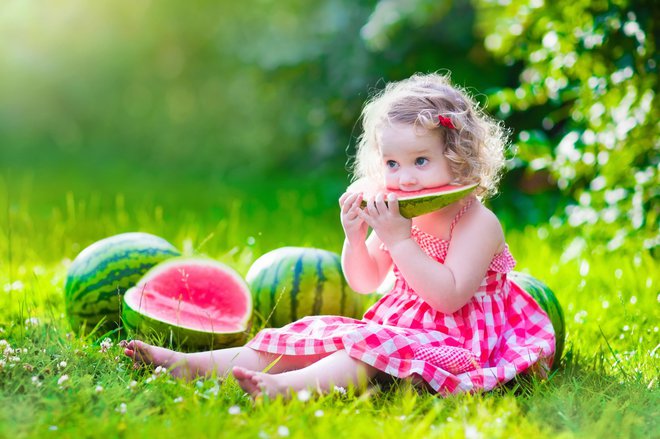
x,y
446,122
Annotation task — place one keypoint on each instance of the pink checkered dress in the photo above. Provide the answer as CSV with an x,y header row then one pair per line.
x,y
499,333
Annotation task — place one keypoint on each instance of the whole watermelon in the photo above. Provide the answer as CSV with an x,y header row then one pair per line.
x,y
549,303
102,272
292,282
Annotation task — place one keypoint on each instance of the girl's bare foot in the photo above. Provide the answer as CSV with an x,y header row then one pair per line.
x,y
260,383
143,353
245,379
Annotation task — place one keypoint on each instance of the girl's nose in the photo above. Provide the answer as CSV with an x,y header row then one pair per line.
x,y
407,179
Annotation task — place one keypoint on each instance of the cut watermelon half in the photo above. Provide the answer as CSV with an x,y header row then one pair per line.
x,y
415,203
196,302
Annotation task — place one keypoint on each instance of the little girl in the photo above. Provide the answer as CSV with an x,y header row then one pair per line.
x,y
452,321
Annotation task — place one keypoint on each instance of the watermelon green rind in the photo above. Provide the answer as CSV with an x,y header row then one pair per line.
x,y
412,206
549,303
291,282
186,336
101,273
136,322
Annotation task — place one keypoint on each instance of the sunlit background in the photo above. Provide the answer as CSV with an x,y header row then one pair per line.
x,y
165,101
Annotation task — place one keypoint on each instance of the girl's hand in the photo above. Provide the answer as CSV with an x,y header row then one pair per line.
x,y
355,228
386,220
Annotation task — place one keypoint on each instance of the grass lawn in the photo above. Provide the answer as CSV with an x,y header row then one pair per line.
x,y
55,384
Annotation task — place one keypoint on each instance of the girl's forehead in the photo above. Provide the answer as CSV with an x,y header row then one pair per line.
x,y
404,138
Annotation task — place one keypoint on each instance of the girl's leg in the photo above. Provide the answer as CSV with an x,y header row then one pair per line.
x,y
337,369
189,365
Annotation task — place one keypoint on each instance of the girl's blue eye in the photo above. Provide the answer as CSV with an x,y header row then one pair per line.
x,y
391,164
421,161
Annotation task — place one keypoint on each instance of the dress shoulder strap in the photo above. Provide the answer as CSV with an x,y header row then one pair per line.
x,y
458,216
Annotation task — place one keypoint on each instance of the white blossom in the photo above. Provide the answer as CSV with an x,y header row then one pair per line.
x,y
340,389
304,395
106,344
32,321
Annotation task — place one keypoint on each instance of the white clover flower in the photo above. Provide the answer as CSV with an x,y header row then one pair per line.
x,y
282,431
32,321
160,370
106,344
132,384
61,365
234,410
121,408
319,413
471,432
8,351
35,381
3,363
63,379
178,399
304,395
98,389
3,343
340,389
14,359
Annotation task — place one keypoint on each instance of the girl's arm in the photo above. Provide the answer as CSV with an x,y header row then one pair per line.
x,y
364,264
446,287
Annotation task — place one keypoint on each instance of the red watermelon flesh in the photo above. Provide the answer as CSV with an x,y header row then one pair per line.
x,y
193,295
408,195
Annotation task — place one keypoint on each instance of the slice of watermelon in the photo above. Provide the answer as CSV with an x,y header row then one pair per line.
x,y
415,203
193,302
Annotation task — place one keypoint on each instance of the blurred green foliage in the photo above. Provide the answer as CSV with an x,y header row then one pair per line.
x,y
220,90
585,101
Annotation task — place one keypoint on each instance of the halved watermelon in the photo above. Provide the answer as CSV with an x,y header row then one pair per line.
x,y
195,303
415,203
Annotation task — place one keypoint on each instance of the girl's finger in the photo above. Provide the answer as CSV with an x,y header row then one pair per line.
x,y
380,203
364,216
347,202
393,203
372,209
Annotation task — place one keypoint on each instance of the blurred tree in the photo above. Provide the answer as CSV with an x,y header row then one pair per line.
x,y
586,93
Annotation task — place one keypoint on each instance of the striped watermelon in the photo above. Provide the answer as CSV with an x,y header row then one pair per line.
x,y
548,301
292,282
195,303
101,273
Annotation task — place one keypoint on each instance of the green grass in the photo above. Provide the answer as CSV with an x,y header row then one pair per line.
x,y
606,385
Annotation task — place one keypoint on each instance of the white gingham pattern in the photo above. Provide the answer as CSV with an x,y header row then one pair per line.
x,y
499,333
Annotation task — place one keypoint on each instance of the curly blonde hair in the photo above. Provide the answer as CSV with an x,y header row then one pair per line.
x,y
475,148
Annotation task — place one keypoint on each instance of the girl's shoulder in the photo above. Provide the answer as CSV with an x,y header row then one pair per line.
x,y
479,220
